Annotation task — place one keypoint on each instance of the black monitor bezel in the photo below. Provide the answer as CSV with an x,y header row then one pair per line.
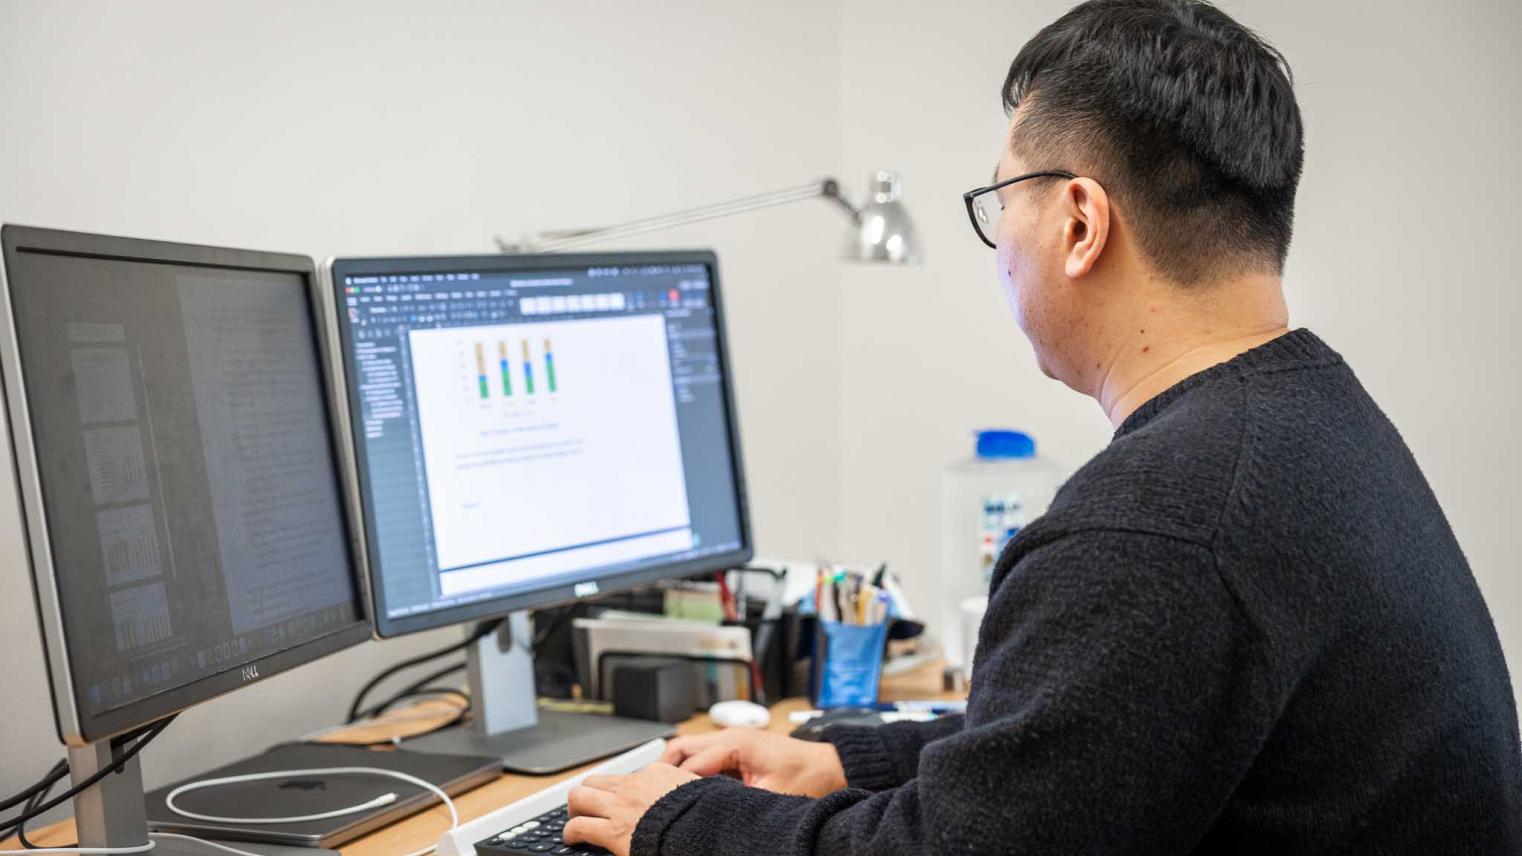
x,y
387,626
75,726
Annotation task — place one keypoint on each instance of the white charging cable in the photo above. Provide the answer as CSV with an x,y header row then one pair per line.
x,y
384,799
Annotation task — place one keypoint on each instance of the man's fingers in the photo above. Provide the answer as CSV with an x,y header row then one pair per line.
x,y
603,783
712,761
682,748
590,830
584,801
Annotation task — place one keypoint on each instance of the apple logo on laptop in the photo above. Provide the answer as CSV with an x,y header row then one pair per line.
x,y
304,785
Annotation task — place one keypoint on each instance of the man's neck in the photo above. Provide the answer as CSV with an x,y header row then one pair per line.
x,y
1181,341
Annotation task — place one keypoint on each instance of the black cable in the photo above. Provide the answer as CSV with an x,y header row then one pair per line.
x,y
483,629
778,574
410,689
120,761
43,786
35,794
428,691
392,741
36,800
543,634
47,780
39,793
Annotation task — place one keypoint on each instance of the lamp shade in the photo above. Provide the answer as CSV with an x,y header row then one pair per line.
x,y
883,231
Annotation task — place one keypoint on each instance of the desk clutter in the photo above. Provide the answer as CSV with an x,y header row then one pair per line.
x,y
753,634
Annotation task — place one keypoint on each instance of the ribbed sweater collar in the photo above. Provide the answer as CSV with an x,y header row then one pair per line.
x,y
1296,349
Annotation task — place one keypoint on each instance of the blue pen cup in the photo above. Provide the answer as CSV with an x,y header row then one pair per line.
x,y
848,664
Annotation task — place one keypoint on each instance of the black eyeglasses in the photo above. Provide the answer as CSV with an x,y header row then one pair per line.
x,y
984,207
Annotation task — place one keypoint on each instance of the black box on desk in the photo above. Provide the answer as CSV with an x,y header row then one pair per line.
x,y
658,688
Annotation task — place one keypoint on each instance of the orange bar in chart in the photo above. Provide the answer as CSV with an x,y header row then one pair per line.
x,y
528,371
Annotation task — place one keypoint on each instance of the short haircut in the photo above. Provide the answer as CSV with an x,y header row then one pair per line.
x,y
1186,116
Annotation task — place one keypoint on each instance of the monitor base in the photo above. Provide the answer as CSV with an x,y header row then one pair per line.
x,y
115,810
558,741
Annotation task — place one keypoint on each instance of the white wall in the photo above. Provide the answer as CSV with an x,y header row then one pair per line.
x,y
390,127
1403,257
380,127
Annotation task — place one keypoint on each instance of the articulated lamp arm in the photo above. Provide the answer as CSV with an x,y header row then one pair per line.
x,y
881,229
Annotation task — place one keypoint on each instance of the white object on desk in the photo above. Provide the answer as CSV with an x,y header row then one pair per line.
x,y
461,840
740,714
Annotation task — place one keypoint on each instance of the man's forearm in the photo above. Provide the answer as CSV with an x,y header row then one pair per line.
x,y
876,758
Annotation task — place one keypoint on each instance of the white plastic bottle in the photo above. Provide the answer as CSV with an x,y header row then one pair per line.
x,y
985,500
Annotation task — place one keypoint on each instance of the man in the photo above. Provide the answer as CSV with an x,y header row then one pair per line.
x,y
1245,626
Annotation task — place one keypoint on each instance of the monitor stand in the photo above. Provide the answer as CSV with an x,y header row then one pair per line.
x,y
112,813
506,721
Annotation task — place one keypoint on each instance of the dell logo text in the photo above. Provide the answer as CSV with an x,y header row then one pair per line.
x,y
250,673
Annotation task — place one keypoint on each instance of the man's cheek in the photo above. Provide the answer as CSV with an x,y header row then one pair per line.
x,y
1015,282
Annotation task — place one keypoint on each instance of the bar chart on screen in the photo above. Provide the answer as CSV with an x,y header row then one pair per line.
x,y
482,381
511,464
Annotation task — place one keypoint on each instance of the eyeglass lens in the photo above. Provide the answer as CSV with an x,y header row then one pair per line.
x,y
987,209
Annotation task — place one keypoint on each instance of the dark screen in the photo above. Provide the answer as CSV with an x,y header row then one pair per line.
x,y
186,465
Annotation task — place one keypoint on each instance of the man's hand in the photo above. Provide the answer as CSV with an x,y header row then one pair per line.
x,y
761,759
605,809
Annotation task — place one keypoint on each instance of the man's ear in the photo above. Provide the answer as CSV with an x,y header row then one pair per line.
x,y
1086,228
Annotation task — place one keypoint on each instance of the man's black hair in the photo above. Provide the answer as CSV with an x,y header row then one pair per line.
x,y
1188,118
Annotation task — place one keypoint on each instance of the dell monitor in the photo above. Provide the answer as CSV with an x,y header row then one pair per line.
x,y
178,475
528,430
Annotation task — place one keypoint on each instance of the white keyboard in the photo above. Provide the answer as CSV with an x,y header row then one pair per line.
x,y
462,841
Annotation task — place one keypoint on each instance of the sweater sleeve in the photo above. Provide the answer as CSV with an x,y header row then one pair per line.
x,y
1117,700
878,758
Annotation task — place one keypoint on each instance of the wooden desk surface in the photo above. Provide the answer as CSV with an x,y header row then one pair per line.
x,y
424,828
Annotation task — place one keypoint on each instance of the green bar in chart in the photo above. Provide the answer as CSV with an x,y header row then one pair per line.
x,y
528,371
507,377
549,365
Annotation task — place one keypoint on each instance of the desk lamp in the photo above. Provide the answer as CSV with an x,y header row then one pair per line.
x,y
881,230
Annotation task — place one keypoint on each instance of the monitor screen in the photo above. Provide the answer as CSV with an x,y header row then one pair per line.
x,y
530,430
186,467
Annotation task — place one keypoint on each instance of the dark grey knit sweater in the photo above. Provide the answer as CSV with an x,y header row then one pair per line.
x,y
1245,627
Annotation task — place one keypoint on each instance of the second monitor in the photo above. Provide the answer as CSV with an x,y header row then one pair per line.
x,y
532,429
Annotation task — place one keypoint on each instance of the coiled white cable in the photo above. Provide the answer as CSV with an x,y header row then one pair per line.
x,y
386,799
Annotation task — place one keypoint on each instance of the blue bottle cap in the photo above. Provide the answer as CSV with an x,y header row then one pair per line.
x,y
1005,444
